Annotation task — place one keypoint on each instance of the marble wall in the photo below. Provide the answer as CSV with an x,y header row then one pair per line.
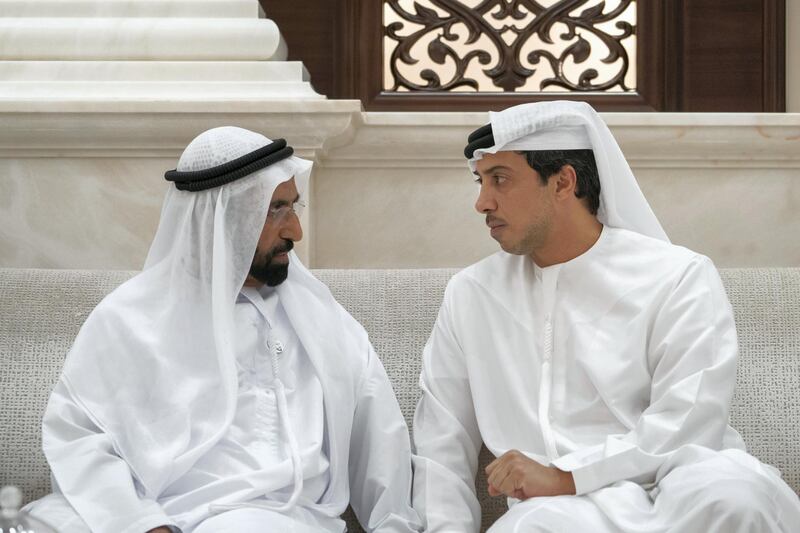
x,y
83,188
726,185
82,212
389,189
89,124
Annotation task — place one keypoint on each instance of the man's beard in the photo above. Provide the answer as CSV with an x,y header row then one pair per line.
x,y
534,238
268,272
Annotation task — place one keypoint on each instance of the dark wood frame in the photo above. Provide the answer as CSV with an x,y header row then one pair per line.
x,y
364,19
774,57
350,65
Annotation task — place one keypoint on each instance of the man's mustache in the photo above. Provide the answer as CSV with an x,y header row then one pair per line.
x,y
493,221
282,248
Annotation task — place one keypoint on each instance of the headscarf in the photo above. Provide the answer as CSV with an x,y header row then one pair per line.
x,y
566,125
154,364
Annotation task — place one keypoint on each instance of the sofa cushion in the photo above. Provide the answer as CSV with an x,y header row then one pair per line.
x,y
42,310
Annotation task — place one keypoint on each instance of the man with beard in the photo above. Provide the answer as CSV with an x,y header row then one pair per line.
x,y
223,389
593,358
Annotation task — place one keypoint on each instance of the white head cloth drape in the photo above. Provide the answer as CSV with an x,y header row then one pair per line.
x,y
154,364
564,125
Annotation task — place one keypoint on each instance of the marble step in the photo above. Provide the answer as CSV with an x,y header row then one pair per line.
x,y
174,91
168,39
129,8
153,71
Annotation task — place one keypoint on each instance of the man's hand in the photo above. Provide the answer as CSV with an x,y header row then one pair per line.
x,y
515,475
162,529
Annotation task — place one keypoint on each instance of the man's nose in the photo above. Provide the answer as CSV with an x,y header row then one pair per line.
x,y
292,230
485,202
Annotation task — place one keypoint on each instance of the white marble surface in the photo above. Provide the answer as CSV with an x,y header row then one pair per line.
x,y
163,129
406,218
165,39
65,91
130,8
155,71
647,139
83,212
726,185
24,82
99,97
82,190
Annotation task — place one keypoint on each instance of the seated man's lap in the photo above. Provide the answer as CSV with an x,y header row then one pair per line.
x,y
55,511
252,520
731,485
552,515
711,492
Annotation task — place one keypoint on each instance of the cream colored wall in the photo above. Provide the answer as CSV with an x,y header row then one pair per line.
x,y
399,195
371,218
80,212
389,190
99,101
83,189
83,149
793,56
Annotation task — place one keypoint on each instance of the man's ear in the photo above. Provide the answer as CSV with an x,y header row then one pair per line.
x,y
565,182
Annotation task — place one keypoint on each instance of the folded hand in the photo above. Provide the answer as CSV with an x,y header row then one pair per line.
x,y
515,475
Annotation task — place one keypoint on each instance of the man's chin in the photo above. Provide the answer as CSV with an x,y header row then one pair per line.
x,y
273,275
274,282
511,248
504,244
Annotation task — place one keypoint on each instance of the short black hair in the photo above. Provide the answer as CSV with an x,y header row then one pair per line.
x,y
549,162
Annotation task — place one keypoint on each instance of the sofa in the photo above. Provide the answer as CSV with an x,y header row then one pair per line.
x,y
42,310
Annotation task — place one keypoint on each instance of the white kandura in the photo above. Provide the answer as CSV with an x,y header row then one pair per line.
x,y
147,424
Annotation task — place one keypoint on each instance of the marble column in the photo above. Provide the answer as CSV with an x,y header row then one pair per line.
x,y
98,98
144,50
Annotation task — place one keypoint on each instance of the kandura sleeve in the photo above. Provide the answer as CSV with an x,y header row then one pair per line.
x,y
692,351
446,435
96,482
380,456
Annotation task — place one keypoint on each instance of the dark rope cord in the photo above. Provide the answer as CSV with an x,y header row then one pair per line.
x,y
481,138
199,180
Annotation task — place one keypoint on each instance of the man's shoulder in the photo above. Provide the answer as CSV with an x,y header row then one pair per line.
x,y
495,280
636,260
486,271
634,247
124,305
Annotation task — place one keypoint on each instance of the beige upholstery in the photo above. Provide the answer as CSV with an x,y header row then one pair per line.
x,y
41,311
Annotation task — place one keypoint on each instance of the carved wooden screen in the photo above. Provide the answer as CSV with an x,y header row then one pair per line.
x,y
689,55
480,54
530,46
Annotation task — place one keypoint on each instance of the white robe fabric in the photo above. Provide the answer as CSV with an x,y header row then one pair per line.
x,y
250,465
256,442
617,366
150,386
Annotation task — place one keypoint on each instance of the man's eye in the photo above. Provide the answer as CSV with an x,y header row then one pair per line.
x,y
478,180
499,179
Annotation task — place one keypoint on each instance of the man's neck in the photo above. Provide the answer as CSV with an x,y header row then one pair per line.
x,y
568,242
